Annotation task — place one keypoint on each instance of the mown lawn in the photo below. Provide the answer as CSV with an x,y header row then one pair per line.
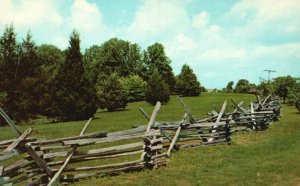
x,y
120,120
270,157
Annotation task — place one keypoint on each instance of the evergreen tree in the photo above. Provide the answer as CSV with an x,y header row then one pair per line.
x,y
20,72
229,87
111,94
187,83
29,83
73,96
157,89
9,50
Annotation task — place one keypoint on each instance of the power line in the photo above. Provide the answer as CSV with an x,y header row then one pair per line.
x,y
269,72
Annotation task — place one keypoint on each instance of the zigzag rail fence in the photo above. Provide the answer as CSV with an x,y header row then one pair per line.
x,y
29,161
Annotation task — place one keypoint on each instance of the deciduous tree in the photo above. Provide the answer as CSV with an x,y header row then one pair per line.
x,y
187,83
242,86
282,85
135,88
155,58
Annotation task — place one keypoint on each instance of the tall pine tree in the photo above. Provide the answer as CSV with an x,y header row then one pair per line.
x,y
20,72
73,96
29,83
8,68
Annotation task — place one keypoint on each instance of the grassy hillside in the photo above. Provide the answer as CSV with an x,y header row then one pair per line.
x,y
270,157
114,121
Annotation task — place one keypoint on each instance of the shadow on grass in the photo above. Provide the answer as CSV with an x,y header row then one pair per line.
x,y
118,110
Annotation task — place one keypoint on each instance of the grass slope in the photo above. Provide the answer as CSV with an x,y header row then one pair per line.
x,y
114,121
270,157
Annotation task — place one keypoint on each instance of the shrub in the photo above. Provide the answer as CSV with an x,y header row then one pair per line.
x,y
157,89
135,88
111,94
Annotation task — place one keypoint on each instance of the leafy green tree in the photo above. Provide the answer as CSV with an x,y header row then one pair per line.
x,y
134,64
187,83
121,57
135,88
155,58
111,94
157,89
50,59
266,88
229,87
203,89
93,64
282,85
293,97
242,86
73,95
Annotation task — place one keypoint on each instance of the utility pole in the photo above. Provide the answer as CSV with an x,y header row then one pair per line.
x,y
269,72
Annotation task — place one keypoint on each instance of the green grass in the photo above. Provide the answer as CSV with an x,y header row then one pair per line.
x,y
114,121
270,157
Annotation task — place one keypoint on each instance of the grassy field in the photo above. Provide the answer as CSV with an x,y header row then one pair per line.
x,y
270,157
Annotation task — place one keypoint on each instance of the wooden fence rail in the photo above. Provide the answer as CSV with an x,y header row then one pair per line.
x,y
29,161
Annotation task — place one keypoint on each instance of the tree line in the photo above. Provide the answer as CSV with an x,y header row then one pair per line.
x,y
70,85
286,87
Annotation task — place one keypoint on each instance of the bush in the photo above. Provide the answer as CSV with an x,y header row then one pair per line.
x,y
157,89
135,88
111,94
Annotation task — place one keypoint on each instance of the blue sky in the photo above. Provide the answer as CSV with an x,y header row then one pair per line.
x,y
222,40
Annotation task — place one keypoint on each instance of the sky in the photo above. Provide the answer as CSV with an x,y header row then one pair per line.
x,y
222,40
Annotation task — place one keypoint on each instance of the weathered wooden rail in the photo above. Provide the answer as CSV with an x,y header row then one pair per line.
x,y
29,161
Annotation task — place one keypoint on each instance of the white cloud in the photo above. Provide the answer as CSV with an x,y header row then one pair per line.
x,y
201,20
260,17
85,17
185,43
221,54
29,13
158,20
47,23
289,50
